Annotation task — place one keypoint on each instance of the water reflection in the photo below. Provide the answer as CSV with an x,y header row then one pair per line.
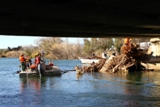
x,y
79,76
133,83
134,77
37,83
132,89
34,83
119,83
31,90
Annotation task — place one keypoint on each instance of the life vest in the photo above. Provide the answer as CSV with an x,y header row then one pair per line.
x,y
21,59
37,60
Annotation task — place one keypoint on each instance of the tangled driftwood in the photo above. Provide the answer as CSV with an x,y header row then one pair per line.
x,y
129,60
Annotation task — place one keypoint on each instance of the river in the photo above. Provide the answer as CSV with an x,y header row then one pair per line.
x,y
68,90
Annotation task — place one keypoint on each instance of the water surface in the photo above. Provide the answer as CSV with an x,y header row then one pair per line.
x,y
68,90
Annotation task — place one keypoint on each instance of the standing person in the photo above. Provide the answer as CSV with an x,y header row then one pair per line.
x,y
127,42
38,61
126,46
23,62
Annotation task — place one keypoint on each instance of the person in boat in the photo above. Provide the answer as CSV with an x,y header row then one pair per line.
x,y
28,62
23,62
39,63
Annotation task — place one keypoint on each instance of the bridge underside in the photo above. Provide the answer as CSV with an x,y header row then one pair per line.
x,y
80,18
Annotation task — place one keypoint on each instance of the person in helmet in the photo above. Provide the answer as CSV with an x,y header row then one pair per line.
x,y
127,41
38,62
23,62
126,45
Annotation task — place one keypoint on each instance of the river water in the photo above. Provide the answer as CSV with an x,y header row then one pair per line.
x,y
68,90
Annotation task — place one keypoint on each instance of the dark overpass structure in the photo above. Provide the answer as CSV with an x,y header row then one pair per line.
x,y
80,18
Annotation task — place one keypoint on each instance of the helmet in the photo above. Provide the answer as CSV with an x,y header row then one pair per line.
x,y
36,54
127,40
42,53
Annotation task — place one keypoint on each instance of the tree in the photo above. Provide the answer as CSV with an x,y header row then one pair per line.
x,y
104,43
93,44
46,44
87,46
118,42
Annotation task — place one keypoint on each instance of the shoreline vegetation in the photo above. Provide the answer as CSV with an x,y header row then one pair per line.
x,y
56,48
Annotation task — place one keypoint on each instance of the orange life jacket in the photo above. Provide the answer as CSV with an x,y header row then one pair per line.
x,y
21,59
33,66
37,60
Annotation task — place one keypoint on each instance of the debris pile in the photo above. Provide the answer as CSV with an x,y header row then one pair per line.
x,y
129,60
